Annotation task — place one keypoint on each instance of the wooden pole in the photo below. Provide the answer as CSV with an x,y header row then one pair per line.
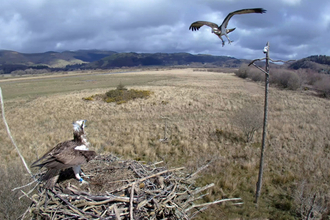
x,y
264,132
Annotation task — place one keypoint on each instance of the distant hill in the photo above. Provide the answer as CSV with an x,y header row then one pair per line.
x,y
163,59
51,58
97,59
319,63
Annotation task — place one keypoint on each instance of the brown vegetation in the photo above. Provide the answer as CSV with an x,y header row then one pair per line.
x,y
11,176
290,79
200,106
249,119
283,78
119,95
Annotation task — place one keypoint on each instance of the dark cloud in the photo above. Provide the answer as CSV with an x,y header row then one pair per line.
x,y
294,28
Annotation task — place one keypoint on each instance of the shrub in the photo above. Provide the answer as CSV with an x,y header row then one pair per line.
x,y
18,72
257,76
281,77
121,95
121,87
294,81
242,72
309,76
285,79
250,72
90,98
221,135
311,202
249,119
115,93
323,86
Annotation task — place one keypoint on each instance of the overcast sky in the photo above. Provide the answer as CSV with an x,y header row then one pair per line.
x,y
294,28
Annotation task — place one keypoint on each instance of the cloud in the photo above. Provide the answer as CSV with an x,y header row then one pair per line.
x,y
294,28
291,2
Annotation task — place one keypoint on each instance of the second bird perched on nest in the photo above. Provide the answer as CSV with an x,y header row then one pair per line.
x,y
222,29
65,155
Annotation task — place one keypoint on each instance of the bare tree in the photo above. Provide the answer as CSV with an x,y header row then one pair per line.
x,y
311,202
17,72
249,119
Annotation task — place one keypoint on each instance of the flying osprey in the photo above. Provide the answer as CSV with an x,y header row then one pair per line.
x,y
67,154
222,29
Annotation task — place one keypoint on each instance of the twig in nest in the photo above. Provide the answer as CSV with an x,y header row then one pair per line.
x,y
145,178
73,207
116,212
29,191
131,202
211,203
20,187
155,193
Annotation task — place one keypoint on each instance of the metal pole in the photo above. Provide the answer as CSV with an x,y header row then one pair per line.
x,y
264,132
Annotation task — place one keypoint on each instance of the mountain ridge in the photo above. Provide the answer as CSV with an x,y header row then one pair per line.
x,y
107,59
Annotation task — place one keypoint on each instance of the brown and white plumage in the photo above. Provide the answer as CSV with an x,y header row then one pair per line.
x,y
65,155
222,29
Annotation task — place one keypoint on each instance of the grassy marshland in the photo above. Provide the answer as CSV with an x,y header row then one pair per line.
x,y
201,107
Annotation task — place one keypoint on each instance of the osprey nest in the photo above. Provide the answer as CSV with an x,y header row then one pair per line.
x,y
122,189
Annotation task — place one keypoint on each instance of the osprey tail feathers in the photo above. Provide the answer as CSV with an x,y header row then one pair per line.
x,y
51,178
230,30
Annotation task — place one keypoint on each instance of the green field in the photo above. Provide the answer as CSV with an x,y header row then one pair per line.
x,y
61,83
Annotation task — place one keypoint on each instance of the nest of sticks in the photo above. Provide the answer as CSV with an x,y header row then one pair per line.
x,y
122,189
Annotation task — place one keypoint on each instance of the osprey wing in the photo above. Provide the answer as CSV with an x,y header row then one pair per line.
x,y
242,11
52,152
75,157
69,158
196,25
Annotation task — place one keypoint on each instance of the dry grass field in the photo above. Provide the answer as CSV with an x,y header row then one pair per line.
x,y
201,107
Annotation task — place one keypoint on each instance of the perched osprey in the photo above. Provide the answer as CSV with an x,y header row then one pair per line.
x,y
222,29
67,154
